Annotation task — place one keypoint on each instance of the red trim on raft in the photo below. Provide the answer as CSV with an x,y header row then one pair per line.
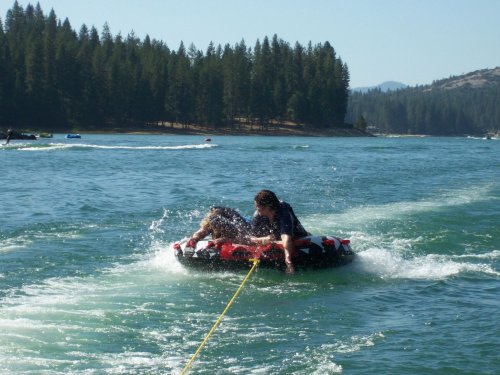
x,y
312,251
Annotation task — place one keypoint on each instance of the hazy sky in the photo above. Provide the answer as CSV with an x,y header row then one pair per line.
x,y
410,41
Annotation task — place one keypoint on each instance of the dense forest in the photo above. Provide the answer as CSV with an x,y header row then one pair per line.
x,y
52,77
467,104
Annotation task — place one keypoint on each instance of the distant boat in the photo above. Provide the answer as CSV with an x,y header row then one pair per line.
x,y
44,135
73,136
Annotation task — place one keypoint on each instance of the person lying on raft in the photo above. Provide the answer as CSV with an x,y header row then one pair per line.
x,y
225,225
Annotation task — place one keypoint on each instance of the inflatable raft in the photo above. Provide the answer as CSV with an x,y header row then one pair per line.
x,y
309,252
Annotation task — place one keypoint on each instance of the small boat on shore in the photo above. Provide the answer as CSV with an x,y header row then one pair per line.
x,y
17,135
309,252
73,136
44,135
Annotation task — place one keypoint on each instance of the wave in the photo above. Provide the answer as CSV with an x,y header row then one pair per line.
x,y
163,259
390,246
12,244
389,251
82,146
389,264
483,138
43,233
72,315
495,254
396,261
75,314
364,215
153,298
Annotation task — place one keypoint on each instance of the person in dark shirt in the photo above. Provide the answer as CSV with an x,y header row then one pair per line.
x,y
275,221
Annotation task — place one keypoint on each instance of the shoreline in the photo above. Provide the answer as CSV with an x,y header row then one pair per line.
x,y
273,130
242,130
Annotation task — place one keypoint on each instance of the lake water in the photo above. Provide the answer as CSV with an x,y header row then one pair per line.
x,y
89,285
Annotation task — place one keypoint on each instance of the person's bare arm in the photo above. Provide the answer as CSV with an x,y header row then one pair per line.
x,y
288,247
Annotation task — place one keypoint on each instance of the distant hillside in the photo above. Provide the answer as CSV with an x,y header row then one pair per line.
x,y
384,87
475,80
458,105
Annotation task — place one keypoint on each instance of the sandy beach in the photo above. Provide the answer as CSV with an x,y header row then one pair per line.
x,y
241,129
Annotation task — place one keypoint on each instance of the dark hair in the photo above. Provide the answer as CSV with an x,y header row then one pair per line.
x,y
266,198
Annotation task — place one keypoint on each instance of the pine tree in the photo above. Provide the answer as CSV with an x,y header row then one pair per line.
x,y
262,83
50,95
5,79
16,32
33,82
179,100
296,105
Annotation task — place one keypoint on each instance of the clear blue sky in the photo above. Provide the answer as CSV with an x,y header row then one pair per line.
x,y
410,41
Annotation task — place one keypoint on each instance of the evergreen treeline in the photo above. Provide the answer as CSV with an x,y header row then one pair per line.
x,y
53,77
428,110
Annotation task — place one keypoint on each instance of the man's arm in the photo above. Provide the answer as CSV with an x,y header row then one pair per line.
x,y
288,246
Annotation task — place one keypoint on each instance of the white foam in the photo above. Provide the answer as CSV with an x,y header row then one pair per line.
x,y
163,258
354,343
483,138
156,225
11,244
61,146
328,368
495,254
392,265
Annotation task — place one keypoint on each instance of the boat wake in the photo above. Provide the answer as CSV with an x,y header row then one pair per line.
x,y
387,245
389,264
83,146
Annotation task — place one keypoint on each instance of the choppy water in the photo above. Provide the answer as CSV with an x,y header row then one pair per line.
x,y
88,284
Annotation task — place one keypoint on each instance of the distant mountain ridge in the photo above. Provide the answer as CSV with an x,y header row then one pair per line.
x,y
477,79
384,87
483,78
458,105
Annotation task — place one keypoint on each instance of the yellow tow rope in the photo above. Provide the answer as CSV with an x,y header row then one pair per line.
x,y
188,365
